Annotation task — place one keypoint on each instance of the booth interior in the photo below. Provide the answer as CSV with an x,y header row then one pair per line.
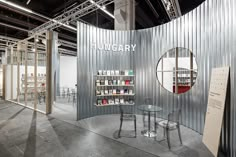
x,y
155,74
25,73
157,78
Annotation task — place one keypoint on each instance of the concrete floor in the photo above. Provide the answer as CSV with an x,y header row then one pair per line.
x,y
24,133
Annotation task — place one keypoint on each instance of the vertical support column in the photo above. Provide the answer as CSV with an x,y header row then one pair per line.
x,y
35,72
11,72
18,70
176,70
124,14
26,75
52,50
58,76
4,74
191,69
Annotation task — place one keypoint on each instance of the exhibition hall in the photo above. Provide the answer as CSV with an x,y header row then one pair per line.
x,y
117,78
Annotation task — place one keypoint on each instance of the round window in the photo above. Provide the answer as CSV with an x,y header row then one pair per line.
x,y
177,70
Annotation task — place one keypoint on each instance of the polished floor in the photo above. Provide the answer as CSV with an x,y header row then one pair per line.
x,y
24,133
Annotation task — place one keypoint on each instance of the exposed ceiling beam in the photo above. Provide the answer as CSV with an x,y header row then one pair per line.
x,y
22,13
14,27
152,9
142,18
17,21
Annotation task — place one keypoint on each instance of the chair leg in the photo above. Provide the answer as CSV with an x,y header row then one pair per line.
x,y
144,119
180,138
121,121
164,132
135,127
168,137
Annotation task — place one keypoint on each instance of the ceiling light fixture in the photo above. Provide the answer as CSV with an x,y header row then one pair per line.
x,y
28,2
103,8
32,12
16,6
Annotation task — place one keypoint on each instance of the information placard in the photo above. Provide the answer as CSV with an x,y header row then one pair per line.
x,y
215,108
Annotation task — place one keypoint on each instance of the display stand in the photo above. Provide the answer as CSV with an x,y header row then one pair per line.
x,y
114,87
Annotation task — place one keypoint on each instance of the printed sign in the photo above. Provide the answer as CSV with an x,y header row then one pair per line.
x,y
215,108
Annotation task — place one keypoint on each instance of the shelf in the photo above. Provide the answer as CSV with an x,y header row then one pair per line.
x,y
31,87
115,95
113,105
115,86
115,75
37,81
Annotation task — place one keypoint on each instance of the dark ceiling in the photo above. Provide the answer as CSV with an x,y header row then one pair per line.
x,y
51,8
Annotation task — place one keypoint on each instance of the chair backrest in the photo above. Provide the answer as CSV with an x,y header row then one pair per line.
x,y
174,116
148,101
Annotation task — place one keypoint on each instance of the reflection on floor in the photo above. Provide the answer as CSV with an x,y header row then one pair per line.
x,y
24,133
64,109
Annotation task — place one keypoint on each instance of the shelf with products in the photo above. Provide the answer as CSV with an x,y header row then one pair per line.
x,y
114,87
29,83
114,101
113,105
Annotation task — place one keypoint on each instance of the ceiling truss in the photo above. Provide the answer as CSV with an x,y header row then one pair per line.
x,y
172,8
71,15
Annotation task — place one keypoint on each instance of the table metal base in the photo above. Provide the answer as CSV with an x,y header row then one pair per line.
x,y
149,133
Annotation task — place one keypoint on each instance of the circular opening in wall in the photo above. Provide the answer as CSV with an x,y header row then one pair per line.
x,y
176,71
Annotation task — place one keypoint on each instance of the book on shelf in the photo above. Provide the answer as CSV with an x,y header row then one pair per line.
x,y
111,101
110,92
104,72
131,72
117,101
108,72
98,83
114,82
104,101
117,72
106,82
112,72
99,102
117,91
106,92
126,72
102,82
99,72
114,91
127,82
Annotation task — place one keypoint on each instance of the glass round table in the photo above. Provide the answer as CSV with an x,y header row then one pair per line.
x,y
149,109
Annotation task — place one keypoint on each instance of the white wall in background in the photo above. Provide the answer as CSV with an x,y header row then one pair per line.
x,y
68,71
41,70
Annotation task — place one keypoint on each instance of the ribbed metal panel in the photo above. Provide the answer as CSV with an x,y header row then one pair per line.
x,y
208,31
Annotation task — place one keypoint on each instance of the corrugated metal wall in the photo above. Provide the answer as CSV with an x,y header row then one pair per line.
x,y
209,32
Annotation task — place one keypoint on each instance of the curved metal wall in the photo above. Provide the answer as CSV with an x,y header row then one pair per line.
x,y
209,32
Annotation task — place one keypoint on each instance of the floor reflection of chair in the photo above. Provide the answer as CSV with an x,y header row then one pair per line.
x,y
172,123
126,117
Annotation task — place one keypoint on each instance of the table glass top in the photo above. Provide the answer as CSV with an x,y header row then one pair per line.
x,y
149,108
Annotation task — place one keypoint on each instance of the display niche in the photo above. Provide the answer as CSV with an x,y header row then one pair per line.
x,y
177,70
114,87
